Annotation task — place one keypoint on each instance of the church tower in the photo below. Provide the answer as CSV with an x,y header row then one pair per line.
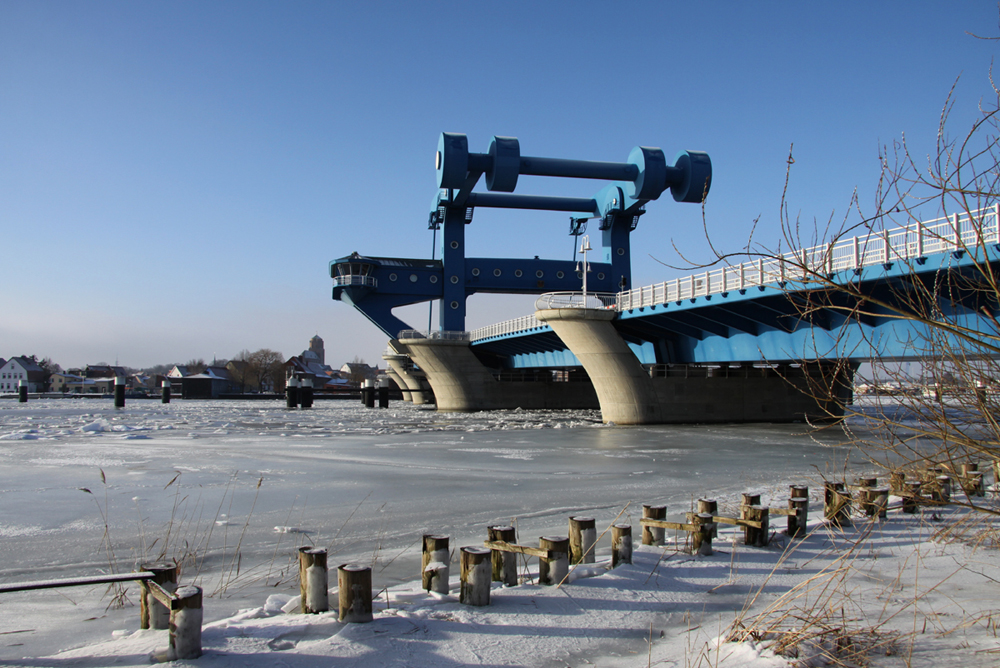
x,y
316,346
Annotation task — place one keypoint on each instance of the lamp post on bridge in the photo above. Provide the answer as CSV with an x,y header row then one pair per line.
x,y
584,247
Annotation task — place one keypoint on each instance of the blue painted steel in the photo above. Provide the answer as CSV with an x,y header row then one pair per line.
x,y
762,322
452,279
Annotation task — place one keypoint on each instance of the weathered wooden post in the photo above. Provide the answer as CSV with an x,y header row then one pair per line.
x,y
435,570
355,588
972,480
701,537
22,391
710,506
119,392
754,536
383,392
836,503
944,489
306,393
476,580
185,624
621,544
292,392
897,482
165,391
582,539
504,563
313,580
911,497
749,500
798,501
653,535
877,502
552,569
152,613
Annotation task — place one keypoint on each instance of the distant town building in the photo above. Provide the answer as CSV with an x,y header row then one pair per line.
x,y
61,382
316,347
17,369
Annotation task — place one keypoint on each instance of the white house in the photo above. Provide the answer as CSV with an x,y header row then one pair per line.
x,y
20,368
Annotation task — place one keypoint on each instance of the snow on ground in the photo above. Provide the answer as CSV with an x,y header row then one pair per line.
x,y
919,590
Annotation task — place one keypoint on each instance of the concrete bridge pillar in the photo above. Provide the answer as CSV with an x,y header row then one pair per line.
x,y
460,381
624,388
411,383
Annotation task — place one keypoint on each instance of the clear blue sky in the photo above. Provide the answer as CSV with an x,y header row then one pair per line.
x,y
175,176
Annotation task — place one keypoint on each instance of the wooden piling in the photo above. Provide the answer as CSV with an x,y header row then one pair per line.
x,y
944,489
798,520
758,537
836,503
476,580
552,569
313,581
355,587
582,540
153,614
185,624
504,564
749,500
653,535
621,544
710,506
972,480
897,482
911,496
701,535
435,570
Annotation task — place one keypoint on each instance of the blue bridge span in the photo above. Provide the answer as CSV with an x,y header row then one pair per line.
x,y
759,340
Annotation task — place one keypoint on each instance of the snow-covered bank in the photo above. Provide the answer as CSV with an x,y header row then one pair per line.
x,y
908,590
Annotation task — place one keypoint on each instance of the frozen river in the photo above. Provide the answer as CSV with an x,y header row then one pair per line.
x,y
233,488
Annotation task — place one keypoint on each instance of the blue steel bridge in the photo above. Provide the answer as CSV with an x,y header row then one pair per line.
x,y
752,312
811,313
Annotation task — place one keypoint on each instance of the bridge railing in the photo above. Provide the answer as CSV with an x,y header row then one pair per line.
x,y
950,233
576,300
521,324
410,334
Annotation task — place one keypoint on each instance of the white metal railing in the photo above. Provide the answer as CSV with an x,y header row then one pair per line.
x,y
355,279
424,334
955,232
576,300
950,233
525,322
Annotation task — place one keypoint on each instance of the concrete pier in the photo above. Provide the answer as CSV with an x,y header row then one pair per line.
x,y
412,382
623,386
462,383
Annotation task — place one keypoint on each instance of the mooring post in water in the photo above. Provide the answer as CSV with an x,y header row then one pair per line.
x,y
582,539
701,535
369,393
292,392
153,614
354,583
306,393
944,489
972,480
165,391
383,392
881,502
504,563
836,503
621,544
313,580
911,496
552,569
119,392
897,482
476,579
185,624
748,501
434,564
22,391
653,535
754,536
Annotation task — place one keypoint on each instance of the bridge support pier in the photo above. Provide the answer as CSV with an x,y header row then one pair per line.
x,y
413,385
462,383
624,388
